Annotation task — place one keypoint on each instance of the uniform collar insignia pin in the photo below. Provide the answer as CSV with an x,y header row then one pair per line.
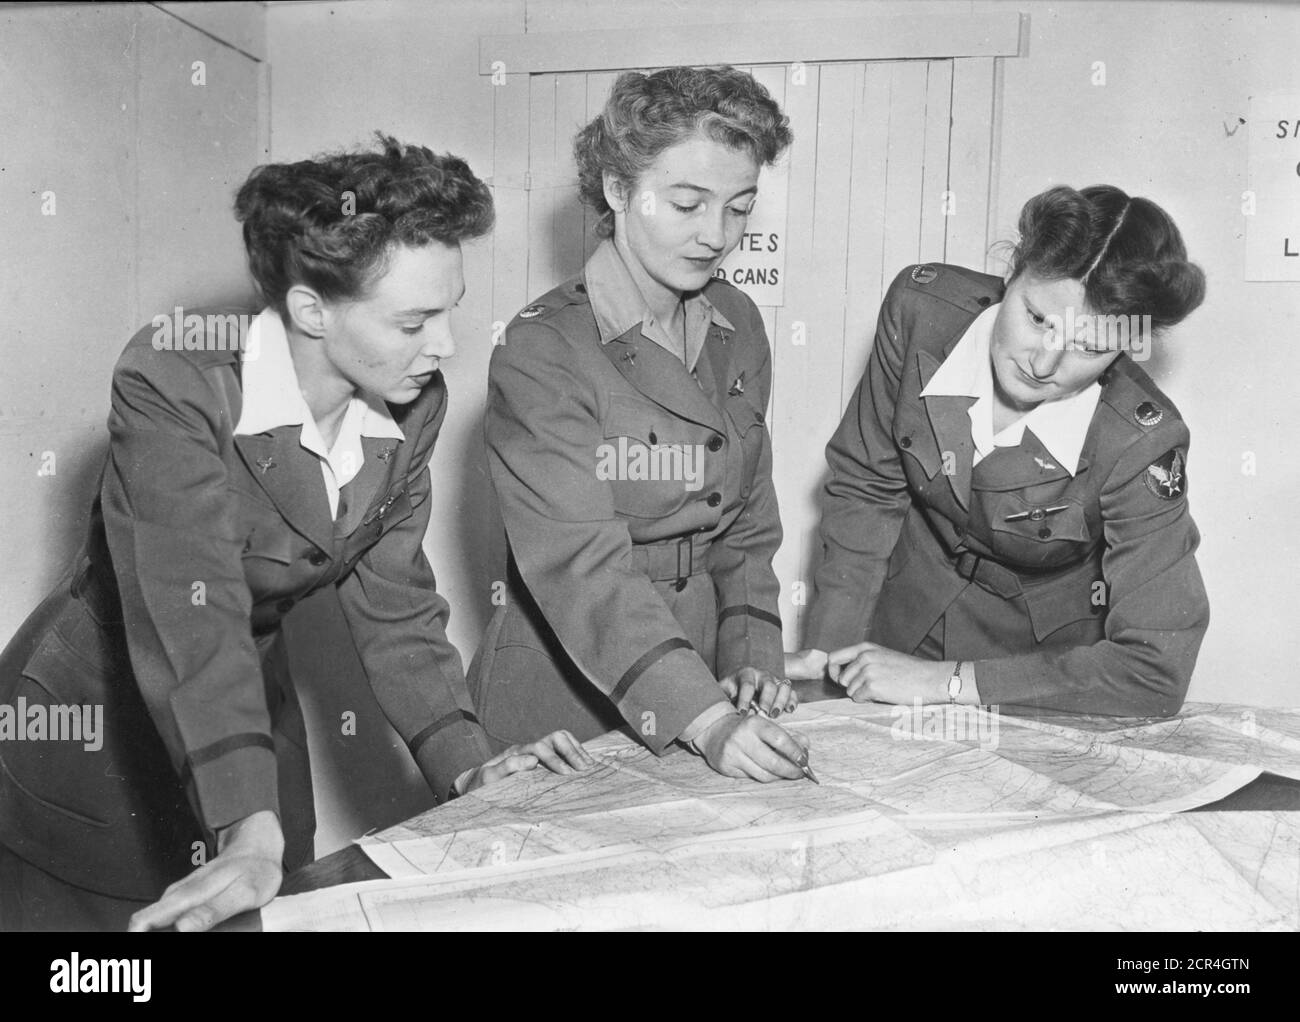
x,y
739,386
1046,466
386,453
265,464
1148,413
629,356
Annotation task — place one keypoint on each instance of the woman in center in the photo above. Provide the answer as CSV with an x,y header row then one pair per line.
x,y
627,445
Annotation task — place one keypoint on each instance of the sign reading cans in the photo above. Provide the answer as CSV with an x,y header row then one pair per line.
x,y
1273,232
757,264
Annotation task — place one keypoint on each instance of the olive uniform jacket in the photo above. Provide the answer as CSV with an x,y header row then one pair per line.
x,y
200,542
629,591
1078,593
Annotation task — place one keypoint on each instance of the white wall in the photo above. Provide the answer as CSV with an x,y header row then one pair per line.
x,y
101,112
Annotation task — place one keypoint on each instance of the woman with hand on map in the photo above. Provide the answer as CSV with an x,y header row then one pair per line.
x,y
244,473
627,444
1006,518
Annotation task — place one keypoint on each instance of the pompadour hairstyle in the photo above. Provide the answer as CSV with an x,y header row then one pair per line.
x,y
330,222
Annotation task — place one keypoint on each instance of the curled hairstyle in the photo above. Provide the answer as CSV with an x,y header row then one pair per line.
x,y
1126,251
648,113
331,222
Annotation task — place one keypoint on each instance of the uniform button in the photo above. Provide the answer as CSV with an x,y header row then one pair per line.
x,y
984,301
653,439
284,606
714,499
905,442
1044,532
1037,514
580,288
318,557
715,443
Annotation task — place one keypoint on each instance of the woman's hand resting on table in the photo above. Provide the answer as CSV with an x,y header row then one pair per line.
x,y
867,671
559,752
244,875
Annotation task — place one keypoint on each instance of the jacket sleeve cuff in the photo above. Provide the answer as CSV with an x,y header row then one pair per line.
x,y
233,778
446,749
663,691
705,721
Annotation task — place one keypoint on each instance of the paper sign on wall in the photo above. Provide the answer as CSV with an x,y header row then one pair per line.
x,y
1273,231
757,265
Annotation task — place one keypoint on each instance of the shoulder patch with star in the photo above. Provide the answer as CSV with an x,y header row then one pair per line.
x,y
1166,477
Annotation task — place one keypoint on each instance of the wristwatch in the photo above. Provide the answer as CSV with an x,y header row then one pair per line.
x,y
954,683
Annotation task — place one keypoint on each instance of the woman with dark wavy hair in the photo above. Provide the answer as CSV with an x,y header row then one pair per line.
x,y
1006,519
626,439
242,477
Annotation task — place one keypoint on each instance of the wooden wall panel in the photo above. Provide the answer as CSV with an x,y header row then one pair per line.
x,y
970,162
792,363
934,160
866,278
510,240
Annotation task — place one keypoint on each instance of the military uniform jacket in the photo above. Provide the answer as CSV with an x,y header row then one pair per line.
x,y
627,596
200,542
1077,593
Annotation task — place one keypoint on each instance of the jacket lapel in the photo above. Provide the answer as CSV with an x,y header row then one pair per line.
x,y
368,485
951,425
1018,468
291,477
659,375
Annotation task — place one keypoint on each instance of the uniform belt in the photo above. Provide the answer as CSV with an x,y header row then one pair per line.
x,y
1000,580
673,560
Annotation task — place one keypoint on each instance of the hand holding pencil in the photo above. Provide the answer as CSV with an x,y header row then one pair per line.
x,y
749,744
802,761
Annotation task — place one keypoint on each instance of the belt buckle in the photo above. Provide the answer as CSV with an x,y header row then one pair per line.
x,y
682,576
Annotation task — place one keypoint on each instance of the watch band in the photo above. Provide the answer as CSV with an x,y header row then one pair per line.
x,y
954,683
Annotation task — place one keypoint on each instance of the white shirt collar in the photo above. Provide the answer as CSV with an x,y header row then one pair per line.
x,y
1062,425
618,304
272,399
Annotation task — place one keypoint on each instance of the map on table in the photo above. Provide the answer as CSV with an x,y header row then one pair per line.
x,y
925,816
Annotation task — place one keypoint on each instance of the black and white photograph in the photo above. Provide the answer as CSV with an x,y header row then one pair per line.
x,y
634,465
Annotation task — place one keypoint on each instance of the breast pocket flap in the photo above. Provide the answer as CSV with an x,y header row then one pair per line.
x,y
1043,522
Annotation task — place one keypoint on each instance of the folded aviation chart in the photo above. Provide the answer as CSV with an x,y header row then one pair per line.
x,y
925,817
